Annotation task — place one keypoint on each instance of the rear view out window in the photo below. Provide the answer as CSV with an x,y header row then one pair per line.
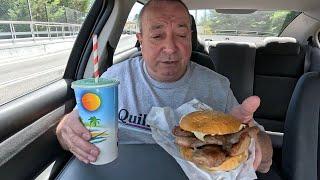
x,y
258,23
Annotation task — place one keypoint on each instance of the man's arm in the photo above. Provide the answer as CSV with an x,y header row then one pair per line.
x,y
266,151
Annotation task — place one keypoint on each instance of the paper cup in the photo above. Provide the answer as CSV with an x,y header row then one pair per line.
x,y
97,104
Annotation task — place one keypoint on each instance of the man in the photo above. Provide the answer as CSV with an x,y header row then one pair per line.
x,y
163,77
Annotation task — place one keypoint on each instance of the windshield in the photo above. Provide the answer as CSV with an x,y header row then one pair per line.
x,y
258,23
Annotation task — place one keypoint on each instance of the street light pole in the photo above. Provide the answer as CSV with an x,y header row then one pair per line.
x,y
196,16
31,19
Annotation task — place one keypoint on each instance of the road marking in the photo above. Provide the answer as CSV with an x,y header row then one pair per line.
x,y
17,80
31,58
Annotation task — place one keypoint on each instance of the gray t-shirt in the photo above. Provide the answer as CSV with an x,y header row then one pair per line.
x,y
138,93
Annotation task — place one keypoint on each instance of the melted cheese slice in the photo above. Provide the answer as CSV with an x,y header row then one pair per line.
x,y
242,126
201,135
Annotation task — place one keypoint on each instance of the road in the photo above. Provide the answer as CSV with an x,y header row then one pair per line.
x,y
25,75
23,68
19,76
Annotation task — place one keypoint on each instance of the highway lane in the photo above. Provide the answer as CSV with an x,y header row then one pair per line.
x,y
22,76
26,67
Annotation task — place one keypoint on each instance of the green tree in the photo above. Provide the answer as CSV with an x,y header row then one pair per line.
x,y
42,10
290,16
80,5
39,11
14,10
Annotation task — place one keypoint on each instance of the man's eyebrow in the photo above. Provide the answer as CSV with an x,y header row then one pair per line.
x,y
157,26
183,25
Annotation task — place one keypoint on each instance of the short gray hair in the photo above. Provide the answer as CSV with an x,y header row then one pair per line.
x,y
148,4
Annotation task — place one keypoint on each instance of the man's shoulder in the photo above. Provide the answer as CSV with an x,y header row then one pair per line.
x,y
124,66
207,74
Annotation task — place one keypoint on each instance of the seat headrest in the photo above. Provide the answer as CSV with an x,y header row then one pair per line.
x,y
280,46
279,40
216,43
275,48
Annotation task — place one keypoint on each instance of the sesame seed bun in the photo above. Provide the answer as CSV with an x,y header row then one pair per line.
x,y
210,122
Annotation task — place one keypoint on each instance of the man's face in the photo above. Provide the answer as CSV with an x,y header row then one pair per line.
x,y
166,40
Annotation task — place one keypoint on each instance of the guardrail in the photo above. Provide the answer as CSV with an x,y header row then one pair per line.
x,y
32,30
235,32
244,33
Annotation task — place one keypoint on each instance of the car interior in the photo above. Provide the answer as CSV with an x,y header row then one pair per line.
x,y
283,70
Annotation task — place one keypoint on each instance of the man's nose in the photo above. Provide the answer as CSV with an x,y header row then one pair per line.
x,y
170,45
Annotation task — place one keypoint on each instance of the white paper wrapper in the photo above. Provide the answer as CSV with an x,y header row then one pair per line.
x,y
163,120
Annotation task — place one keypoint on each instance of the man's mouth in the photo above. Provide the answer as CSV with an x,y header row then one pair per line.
x,y
170,62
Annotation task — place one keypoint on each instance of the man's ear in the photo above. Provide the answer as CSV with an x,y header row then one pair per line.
x,y
139,37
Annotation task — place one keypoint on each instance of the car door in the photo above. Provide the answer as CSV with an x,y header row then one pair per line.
x,y
28,143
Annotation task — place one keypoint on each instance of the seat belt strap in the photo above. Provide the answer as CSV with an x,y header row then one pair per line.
x,y
307,60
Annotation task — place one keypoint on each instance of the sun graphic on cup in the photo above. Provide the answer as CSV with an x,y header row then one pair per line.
x,y
90,101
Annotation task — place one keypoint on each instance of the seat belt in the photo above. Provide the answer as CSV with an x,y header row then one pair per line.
x,y
137,45
307,60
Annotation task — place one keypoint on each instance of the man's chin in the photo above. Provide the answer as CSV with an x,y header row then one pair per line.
x,y
170,77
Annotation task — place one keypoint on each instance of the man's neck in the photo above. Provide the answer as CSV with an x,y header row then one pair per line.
x,y
164,79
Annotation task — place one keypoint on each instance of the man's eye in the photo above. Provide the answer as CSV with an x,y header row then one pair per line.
x,y
182,36
156,37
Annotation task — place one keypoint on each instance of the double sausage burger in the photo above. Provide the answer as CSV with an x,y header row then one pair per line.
x,y
213,140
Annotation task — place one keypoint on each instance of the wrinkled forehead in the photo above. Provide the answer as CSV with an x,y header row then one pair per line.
x,y
165,13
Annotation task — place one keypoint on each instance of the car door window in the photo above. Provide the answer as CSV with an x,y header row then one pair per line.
x,y
128,37
36,38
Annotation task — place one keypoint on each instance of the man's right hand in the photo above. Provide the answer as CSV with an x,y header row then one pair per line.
x,y
73,136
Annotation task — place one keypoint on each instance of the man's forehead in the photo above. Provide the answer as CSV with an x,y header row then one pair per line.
x,y
161,19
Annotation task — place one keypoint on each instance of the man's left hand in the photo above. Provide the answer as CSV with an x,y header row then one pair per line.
x,y
245,112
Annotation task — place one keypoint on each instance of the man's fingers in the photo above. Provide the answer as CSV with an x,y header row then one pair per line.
x,y
81,143
81,130
245,110
250,105
238,113
83,156
77,126
81,148
72,149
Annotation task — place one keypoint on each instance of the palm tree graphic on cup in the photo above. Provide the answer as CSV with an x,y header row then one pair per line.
x,y
97,136
93,121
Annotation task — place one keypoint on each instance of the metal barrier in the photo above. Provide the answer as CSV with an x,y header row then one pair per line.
x,y
233,32
36,30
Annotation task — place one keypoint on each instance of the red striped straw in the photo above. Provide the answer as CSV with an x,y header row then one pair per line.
x,y
95,58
